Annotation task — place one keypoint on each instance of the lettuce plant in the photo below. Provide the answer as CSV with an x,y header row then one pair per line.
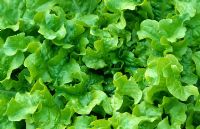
x,y
99,64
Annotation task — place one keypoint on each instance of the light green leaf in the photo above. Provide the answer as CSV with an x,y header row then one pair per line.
x,y
48,114
149,29
12,62
164,124
146,109
89,20
101,124
196,59
175,109
33,62
84,104
21,43
82,122
6,124
127,87
154,93
95,58
112,104
172,29
179,91
79,7
53,67
38,5
127,121
122,4
186,7
51,25
15,10
165,71
22,106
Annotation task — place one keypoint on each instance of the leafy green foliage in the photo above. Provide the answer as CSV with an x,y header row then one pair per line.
x,y
99,64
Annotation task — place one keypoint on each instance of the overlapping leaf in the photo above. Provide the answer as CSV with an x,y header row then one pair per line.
x,y
99,64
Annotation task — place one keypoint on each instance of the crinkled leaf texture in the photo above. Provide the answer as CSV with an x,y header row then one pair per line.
x,y
165,72
99,64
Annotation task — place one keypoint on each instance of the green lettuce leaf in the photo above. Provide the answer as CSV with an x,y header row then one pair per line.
x,y
13,62
51,25
84,104
82,122
121,5
175,109
127,87
126,120
20,43
22,106
99,64
165,71
15,10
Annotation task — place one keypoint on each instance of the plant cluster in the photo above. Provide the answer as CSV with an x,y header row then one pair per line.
x,y
99,64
